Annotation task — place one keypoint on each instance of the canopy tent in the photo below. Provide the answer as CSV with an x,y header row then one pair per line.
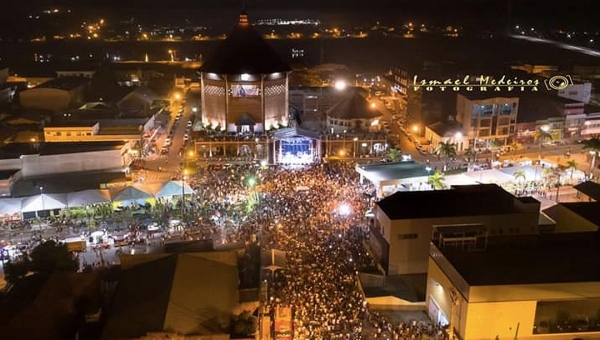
x,y
490,176
460,179
44,202
532,173
572,175
85,197
173,188
9,206
131,194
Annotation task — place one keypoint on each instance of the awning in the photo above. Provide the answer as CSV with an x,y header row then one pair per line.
x,y
44,202
85,197
173,188
131,193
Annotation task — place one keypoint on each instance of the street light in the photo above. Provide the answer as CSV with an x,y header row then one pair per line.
x,y
373,105
355,139
42,197
340,85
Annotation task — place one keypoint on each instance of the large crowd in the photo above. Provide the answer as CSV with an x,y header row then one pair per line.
x,y
316,214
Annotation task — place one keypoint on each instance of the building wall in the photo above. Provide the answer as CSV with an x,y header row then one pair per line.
x,y
578,92
485,119
490,312
409,239
36,165
276,102
214,102
237,106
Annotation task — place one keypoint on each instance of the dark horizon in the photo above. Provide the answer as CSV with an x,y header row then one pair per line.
x,y
486,14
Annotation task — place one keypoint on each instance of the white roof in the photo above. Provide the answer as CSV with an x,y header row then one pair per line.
x,y
44,202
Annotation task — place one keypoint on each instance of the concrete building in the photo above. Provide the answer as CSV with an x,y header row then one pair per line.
x,y
405,221
56,95
353,112
540,287
579,92
449,131
45,159
244,84
487,117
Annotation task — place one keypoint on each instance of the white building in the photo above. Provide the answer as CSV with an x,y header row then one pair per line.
x,y
578,92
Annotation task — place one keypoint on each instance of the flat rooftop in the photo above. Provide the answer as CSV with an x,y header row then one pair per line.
x,y
588,210
463,200
539,259
589,188
64,83
16,150
392,171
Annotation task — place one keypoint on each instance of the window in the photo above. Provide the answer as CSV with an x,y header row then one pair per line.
x,y
407,236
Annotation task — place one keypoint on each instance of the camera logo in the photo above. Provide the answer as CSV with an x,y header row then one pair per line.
x,y
558,83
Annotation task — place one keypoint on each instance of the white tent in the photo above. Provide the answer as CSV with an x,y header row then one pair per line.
x,y
490,176
173,188
9,206
532,173
44,202
460,179
81,198
131,193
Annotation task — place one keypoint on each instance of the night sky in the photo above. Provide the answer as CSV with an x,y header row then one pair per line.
x,y
545,13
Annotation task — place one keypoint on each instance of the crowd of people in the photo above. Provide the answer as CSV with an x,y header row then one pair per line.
x,y
316,215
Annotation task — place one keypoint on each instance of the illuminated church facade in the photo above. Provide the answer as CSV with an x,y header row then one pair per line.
x,y
244,84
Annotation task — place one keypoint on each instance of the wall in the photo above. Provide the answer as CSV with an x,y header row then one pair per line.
x,y
488,320
36,165
276,102
410,255
213,102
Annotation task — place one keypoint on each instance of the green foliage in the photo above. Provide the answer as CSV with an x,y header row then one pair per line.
x,y
519,174
436,180
244,324
446,149
393,154
50,256
592,144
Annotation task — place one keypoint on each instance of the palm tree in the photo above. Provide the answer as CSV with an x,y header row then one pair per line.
x,y
436,180
542,134
593,146
519,174
471,154
446,149
572,165
393,154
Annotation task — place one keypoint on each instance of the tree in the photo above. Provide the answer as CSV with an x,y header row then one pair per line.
x,y
436,180
244,324
542,134
446,149
471,154
519,174
393,154
593,146
51,256
572,165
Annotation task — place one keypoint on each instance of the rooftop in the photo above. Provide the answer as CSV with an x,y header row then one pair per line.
x,y
392,171
244,51
353,106
554,258
64,83
446,128
483,95
16,150
590,189
588,210
467,200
